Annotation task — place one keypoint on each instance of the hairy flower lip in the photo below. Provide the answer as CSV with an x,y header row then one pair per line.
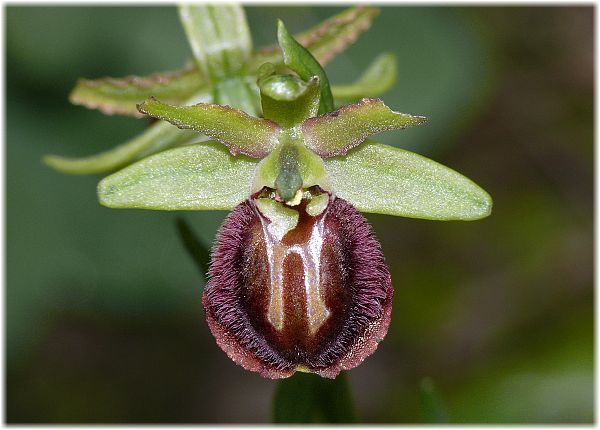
x,y
355,328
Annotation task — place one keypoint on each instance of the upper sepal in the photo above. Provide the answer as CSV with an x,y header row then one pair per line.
x,y
288,100
337,132
300,60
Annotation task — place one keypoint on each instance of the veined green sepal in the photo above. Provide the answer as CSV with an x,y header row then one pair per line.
x,y
204,176
119,96
382,179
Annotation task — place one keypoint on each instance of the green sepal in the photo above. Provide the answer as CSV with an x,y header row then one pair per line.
x,y
156,138
287,100
219,37
301,61
120,95
335,133
381,179
379,77
240,132
203,176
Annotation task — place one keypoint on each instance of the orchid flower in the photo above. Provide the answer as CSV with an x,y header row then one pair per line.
x,y
298,281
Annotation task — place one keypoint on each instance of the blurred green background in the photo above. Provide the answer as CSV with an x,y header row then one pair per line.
x,y
103,315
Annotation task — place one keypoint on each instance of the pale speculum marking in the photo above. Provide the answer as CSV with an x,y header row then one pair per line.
x,y
310,253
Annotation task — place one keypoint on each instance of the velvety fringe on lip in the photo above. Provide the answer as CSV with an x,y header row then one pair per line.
x,y
366,281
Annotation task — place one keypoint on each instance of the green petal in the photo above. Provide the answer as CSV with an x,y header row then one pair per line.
x,y
337,132
301,61
242,133
376,80
327,39
196,177
155,138
120,95
219,37
381,179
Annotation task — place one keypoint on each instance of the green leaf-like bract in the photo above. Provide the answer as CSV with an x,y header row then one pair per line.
x,y
326,39
219,37
188,86
381,179
376,80
158,137
337,132
240,132
196,177
120,95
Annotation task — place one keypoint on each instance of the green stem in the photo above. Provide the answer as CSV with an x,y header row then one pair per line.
x,y
308,398
239,93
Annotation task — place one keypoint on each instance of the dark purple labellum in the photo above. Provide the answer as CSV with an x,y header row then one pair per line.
x,y
318,300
